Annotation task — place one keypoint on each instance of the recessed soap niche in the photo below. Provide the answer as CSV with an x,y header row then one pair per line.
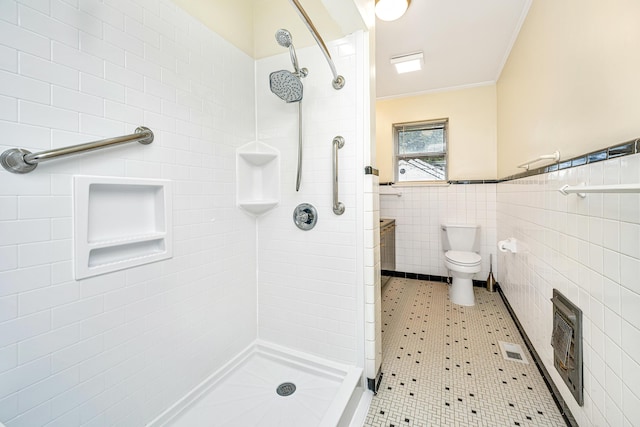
x,y
120,223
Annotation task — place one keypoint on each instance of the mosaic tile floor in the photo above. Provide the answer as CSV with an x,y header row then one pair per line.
x,y
442,363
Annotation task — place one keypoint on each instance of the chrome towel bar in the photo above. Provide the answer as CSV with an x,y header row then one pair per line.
x,y
582,190
18,160
338,207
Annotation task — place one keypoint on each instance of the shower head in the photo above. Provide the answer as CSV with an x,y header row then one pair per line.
x,y
286,85
283,37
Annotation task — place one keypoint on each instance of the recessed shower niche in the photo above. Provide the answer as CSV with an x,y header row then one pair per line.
x,y
120,223
258,182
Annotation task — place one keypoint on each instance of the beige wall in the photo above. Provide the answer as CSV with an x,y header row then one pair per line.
x,y
232,19
250,25
572,81
271,15
472,129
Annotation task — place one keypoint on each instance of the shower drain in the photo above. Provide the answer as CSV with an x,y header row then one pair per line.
x,y
286,389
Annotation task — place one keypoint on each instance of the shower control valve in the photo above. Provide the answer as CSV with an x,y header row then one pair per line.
x,y
305,216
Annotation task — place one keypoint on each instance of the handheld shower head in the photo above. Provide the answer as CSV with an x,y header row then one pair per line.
x,y
283,37
286,85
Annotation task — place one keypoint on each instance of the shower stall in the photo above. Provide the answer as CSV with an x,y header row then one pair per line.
x,y
307,365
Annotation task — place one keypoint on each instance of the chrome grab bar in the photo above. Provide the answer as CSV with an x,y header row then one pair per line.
x,y
18,160
338,81
338,207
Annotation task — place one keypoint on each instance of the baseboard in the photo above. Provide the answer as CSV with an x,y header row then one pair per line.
x,y
427,277
555,393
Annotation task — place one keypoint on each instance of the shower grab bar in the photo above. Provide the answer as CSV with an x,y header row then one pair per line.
x,y
338,81
555,156
18,160
391,194
582,190
338,207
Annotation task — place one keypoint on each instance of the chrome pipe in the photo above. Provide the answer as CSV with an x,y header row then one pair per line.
x,y
338,81
338,207
18,160
299,176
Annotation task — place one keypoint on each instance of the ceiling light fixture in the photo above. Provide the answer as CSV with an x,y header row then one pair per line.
x,y
390,10
408,63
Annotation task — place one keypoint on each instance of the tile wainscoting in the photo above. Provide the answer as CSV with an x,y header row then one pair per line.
x,y
420,210
589,249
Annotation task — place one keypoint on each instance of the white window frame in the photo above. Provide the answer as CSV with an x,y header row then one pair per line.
x,y
420,125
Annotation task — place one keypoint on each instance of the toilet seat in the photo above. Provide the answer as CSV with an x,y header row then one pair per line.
x,y
462,258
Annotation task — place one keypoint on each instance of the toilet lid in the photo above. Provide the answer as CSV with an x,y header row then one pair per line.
x,y
463,258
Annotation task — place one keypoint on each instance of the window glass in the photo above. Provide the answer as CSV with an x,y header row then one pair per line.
x,y
421,151
421,141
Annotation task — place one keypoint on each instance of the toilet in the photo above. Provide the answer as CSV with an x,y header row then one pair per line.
x,y
461,244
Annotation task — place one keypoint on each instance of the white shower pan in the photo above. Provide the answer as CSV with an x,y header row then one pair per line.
x,y
244,393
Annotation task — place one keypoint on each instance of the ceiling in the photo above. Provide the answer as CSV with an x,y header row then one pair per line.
x,y
465,43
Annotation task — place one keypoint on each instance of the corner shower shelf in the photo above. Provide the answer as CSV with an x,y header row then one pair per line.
x,y
258,159
258,183
259,206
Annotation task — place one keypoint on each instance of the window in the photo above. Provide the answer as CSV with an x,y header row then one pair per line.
x,y
421,151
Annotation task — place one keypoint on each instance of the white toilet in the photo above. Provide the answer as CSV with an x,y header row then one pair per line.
x,y
461,244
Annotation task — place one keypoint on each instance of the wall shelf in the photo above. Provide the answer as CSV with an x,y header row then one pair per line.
x,y
258,177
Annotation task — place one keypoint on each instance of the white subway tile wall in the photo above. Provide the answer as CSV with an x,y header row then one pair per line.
x,y
372,284
420,211
120,348
308,281
588,249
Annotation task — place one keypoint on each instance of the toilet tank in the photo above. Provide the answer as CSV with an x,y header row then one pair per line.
x,y
457,237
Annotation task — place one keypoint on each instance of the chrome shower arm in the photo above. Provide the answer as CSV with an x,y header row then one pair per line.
x,y
338,81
